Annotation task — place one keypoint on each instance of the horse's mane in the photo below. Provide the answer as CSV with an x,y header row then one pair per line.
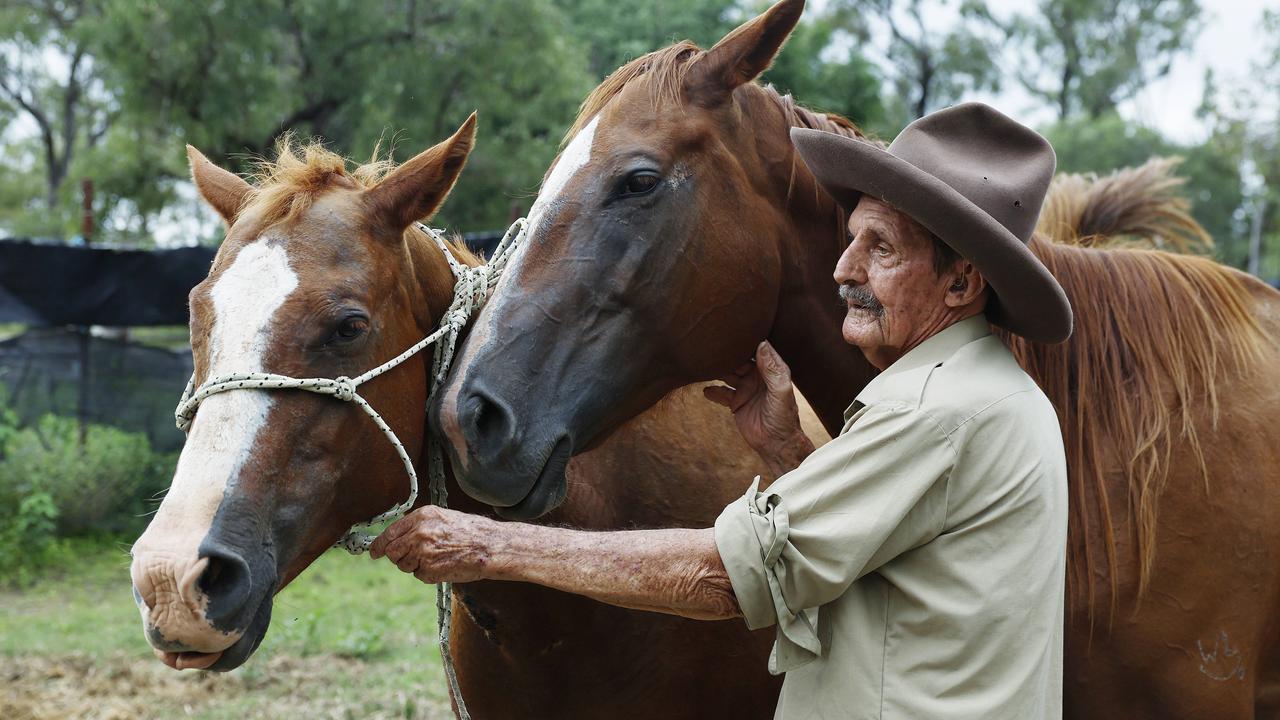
x,y
1141,203
666,69
302,171
1154,333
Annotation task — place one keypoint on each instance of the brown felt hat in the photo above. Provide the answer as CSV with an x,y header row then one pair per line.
x,y
974,178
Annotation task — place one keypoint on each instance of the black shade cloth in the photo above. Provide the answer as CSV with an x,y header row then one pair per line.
x,y
51,285
130,386
65,285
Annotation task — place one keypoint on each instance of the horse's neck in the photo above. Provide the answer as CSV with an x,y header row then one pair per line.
x,y
806,328
433,278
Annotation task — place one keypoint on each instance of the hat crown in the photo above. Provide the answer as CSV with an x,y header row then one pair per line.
x,y
999,165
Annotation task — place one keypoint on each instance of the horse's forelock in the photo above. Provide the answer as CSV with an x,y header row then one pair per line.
x,y
665,68
284,188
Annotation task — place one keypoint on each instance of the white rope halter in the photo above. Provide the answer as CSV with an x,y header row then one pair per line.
x,y
470,290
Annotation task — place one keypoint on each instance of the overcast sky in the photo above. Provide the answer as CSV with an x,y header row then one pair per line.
x,y
1230,39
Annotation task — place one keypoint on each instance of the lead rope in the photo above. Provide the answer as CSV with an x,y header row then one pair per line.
x,y
470,290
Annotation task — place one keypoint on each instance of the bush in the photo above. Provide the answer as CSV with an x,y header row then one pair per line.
x,y
53,487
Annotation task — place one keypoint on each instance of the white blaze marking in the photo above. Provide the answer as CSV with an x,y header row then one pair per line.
x,y
575,156
245,299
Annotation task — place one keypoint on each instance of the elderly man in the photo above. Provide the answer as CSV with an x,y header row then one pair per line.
x,y
915,565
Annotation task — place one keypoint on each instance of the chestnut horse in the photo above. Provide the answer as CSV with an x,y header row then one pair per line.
x,y
678,228
323,274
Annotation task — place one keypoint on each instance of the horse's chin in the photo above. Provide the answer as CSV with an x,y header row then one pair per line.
x,y
548,491
234,656
229,658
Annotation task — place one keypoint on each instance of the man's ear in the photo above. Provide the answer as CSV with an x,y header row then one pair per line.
x,y
967,285
224,191
416,189
742,55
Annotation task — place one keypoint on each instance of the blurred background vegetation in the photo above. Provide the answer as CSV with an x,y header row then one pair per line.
x,y
112,90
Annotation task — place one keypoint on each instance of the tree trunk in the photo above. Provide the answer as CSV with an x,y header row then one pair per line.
x,y
1255,237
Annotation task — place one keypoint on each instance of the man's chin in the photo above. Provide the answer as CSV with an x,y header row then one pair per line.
x,y
861,329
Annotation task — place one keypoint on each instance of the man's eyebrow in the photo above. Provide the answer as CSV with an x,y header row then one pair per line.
x,y
874,234
877,236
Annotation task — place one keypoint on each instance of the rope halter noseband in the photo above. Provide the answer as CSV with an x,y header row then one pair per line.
x,y
470,290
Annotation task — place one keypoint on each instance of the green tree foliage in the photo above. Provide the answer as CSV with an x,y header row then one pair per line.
x,y
231,77
935,51
231,81
614,33
823,68
49,78
1246,126
1088,56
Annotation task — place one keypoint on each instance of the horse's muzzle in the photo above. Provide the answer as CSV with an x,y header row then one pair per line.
x,y
197,613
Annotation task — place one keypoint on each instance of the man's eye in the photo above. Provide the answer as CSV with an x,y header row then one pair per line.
x,y
641,182
350,329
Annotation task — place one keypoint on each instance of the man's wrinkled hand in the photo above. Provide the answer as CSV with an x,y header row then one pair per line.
x,y
436,545
763,402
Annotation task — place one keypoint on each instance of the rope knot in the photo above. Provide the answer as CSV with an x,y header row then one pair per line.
x,y
457,318
344,389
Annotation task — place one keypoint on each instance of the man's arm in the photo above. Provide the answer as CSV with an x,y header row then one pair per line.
x,y
673,571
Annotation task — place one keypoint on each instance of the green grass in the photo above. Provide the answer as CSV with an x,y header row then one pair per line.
x,y
349,638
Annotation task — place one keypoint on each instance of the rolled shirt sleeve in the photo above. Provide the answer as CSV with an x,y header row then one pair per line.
x,y
871,494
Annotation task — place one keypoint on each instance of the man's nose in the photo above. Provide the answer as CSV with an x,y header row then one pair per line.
x,y
851,268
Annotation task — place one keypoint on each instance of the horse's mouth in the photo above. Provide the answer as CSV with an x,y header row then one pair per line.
x,y
187,660
548,491
229,658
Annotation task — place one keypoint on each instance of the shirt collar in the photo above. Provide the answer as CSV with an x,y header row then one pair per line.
x,y
934,350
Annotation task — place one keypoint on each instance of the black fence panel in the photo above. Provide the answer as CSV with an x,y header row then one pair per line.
x,y
47,284
65,285
130,386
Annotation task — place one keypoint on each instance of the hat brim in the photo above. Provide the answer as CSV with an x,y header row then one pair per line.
x,y
1028,300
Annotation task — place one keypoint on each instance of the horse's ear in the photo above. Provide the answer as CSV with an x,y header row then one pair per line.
x,y
224,191
414,191
742,55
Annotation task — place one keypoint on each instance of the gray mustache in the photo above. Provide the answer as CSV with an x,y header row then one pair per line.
x,y
861,295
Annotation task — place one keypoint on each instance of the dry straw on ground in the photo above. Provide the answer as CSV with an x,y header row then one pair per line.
x,y
127,687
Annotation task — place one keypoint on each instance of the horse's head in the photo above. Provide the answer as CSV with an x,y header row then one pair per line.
x,y
652,261
320,275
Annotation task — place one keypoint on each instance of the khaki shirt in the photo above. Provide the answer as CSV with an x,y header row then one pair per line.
x,y
915,565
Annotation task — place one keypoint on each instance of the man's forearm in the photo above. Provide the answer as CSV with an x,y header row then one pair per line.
x,y
672,571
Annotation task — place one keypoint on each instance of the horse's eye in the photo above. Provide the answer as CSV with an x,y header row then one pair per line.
x,y
350,328
640,182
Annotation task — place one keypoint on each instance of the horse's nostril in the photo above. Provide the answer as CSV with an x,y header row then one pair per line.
x,y
209,579
490,422
226,583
